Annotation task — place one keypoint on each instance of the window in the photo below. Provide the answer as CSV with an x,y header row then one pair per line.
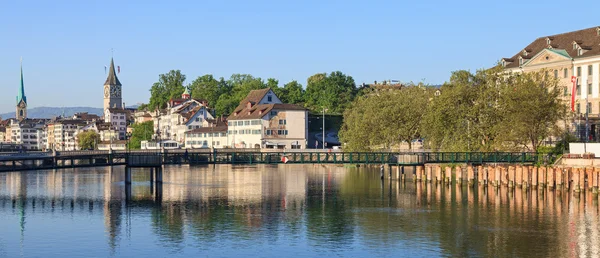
x,y
589,89
255,122
590,70
241,132
578,90
273,113
579,52
282,132
197,119
269,98
578,109
248,131
223,135
555,74
566,73
247,122
268,132
565,91
210,134
579,71
229,123
204,135
589,107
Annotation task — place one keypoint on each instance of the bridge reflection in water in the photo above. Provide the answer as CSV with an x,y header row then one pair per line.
x,y
334,207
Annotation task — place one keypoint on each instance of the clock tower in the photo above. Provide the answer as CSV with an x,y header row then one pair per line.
x,y
112,89
21,100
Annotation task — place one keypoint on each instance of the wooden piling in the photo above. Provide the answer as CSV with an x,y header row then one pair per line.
x,y
448,176
576,178
511,176
582,179
519,176
542,177
595,180
559,172
470,175
551,175
419,173
429,173
480,176
534,177
526,177
438,174
128,175
459,176
497,176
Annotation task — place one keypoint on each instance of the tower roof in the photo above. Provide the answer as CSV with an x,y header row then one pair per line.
x,y
112,76
21,96
186,92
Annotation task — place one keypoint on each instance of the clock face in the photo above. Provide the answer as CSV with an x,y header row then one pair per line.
x,y
106,91
118,92
113,92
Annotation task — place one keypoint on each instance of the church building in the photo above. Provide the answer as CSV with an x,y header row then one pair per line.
x,y
21,100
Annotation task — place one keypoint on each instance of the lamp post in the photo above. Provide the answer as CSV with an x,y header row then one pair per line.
x,y
586,123
128,137
323,143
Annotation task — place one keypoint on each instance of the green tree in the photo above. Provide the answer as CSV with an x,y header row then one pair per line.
x,y
239,85
169,86
143,107
141,132
395,116
532,109
292,92
88,140
208,88
334,92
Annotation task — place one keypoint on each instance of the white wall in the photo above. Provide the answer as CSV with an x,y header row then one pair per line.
x,y
577,148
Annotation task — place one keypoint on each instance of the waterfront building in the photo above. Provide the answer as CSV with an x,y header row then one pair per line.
x,y
28,133
65,134
21,108
180,116
117,118
212,134
572,57
261,120
2,134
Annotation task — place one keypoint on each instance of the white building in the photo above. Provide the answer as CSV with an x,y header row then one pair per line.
x,y
213,134
117,118
180,116
28,133
65,134
262,121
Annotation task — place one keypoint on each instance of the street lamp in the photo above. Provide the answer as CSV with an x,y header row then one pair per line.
x,y
323,143
128,137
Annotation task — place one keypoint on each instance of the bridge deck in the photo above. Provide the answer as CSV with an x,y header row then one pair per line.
x,y
154,159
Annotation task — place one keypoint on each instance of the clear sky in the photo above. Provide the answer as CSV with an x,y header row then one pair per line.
x,y
66,44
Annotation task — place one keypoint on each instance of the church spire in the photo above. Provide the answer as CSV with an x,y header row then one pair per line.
x,y
21,96
112,75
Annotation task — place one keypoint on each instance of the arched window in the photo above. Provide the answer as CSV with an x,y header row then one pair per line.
x,y
21,112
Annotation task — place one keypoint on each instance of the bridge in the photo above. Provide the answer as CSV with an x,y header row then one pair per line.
x,y
155,159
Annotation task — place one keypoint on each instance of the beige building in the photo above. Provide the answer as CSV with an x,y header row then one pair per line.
x,y
571,56
261,120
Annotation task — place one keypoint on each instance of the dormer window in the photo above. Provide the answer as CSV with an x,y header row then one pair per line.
x,y
579,51
574,45
548,41
598,31
503,62
520,61
525,52
269,98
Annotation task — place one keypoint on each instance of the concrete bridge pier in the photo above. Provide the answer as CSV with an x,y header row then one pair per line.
x,y
459,175
470,175
159,175
419,173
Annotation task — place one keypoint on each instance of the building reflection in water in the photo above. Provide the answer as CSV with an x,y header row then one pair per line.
x,y
329,207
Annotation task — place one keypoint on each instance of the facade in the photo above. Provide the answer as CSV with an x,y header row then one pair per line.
x,y
2,134
21,107
261,120
117,118
572,57
112,90
65,134
28,133
180,116
212,134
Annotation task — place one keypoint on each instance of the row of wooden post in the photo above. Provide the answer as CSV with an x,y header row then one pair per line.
x,y
522,176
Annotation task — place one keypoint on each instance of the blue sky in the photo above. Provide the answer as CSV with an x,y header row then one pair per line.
x,y
66,44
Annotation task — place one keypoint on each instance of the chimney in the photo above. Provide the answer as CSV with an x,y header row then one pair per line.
x,y
375,83
249,105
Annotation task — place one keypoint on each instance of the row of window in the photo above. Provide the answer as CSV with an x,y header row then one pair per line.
x,y
589,90
203,143
565,72
247,131
244,122
279,132
207,135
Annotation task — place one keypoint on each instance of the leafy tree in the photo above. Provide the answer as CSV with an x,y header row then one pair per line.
x,y
292,92
532,109
208,88
239,87
395,116
334,92
141,132
169,86
87,140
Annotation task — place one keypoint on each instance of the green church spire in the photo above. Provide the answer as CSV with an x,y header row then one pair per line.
x,y
21,95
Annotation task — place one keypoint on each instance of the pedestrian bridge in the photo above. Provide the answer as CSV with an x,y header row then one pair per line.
x,y
41,160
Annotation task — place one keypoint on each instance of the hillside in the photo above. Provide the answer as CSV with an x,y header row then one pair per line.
x,y
49,112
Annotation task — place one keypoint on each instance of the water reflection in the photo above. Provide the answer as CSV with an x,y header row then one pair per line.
x,y
300,210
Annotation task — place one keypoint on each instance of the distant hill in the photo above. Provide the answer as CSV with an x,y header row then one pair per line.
x,y
50,112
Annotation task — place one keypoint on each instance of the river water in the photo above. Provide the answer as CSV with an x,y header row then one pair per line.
x,y
283,211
